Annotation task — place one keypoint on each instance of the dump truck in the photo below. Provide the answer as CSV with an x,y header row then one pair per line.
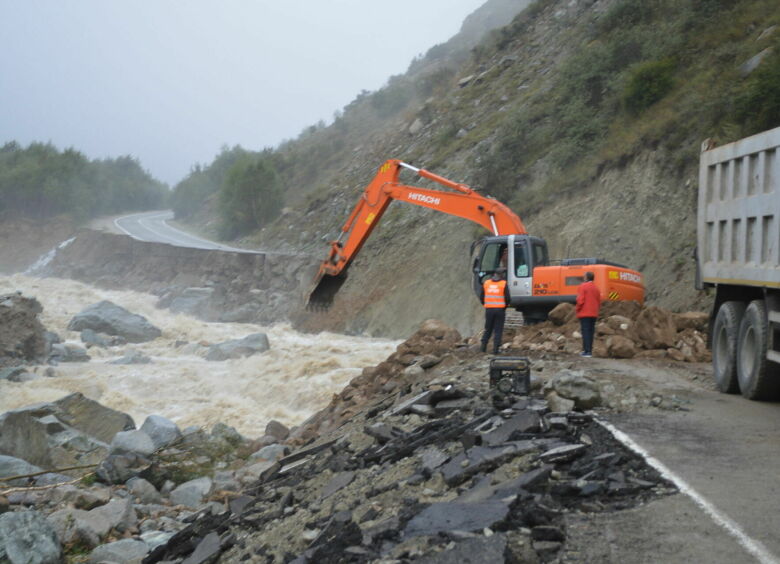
x,y
738,241
536,283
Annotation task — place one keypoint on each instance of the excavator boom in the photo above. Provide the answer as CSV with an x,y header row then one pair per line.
x,y
377,196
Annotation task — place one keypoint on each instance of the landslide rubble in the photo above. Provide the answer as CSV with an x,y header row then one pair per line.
x,y
417,459
418,464
623,330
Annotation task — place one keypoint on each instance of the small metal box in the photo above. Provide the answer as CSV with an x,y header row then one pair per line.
x,y
511,375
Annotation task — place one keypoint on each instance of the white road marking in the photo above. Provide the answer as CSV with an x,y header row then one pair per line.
x,y
754,547
156,223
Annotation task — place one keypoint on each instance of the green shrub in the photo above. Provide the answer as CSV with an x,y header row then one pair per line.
x,y
393,98
629,13
251,196
647,84
758,107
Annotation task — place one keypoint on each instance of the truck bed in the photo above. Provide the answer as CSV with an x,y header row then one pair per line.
x,y
739,212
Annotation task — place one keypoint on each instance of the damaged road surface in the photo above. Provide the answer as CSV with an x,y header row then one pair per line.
x,y
462,483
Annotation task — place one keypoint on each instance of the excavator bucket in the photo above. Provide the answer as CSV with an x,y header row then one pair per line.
x,y
321,297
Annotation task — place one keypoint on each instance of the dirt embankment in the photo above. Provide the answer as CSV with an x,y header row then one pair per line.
x,y
23,241
212,285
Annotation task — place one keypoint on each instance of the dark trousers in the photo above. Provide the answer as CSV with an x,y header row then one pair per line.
x,y
588,329
494,324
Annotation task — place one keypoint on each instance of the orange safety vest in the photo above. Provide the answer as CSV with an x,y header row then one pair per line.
x,y
494,293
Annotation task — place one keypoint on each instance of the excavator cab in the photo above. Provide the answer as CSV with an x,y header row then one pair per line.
x,y
519,255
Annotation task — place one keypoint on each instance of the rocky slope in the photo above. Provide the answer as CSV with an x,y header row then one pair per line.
x,y
538,115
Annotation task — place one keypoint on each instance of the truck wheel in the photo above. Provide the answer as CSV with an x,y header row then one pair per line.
x,y
758,379
725,332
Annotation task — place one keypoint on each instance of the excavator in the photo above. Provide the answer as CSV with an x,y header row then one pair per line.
x,y
536,283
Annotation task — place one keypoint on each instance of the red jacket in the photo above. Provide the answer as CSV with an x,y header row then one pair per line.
x,y
588,300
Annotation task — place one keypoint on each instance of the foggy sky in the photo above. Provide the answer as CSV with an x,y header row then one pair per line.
x,y
171,82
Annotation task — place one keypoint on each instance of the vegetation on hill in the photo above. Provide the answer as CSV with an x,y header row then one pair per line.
x,y
248,190
586,118
658,73
40,181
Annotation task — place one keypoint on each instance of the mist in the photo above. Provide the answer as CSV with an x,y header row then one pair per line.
x,y
169,83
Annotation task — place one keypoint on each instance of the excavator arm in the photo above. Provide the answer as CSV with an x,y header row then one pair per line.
x,y
377,196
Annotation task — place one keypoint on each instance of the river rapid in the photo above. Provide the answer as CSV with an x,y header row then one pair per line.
x,y
295,378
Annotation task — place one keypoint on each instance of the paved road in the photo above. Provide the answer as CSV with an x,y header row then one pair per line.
x,y
724,454
153,227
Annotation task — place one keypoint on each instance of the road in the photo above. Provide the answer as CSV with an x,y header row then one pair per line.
x,y
721,450
153,227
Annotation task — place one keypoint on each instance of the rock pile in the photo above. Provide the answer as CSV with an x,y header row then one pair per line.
x,y
144,486
436,475
413,460
624,330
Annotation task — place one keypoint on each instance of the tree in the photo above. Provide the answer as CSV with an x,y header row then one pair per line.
x,y
251,196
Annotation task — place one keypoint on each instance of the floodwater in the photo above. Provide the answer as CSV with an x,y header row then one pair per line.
x,y
295,378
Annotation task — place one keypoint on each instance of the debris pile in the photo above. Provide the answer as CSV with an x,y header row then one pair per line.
x,y
623,330
415,460
435,475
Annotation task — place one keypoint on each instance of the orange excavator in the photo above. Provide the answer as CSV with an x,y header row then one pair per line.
x,y
536,283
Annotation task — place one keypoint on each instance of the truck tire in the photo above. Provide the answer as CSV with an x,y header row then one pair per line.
x,y
758,379
725,332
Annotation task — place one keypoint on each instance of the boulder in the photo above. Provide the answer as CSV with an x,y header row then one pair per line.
x,y
558,404
277,430
73,527
153,539
61,352
238,348
562,314
45,440
21,333
439,330
226,433
92,338
11,466
574,385
109,318
270,453
78,497
119,468
162,431
13,374
26,537
132,442
416,126
697,320
95,524
143,491
125,551
620,347
192,493
132,357
655,328
619,323
675,354
91,417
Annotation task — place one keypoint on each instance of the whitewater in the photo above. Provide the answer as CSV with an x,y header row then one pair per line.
x,y
291,381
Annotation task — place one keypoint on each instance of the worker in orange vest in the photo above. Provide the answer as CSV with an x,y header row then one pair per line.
x,y
587,308
495,298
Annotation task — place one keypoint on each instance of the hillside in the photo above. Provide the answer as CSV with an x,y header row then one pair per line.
x,y
585,117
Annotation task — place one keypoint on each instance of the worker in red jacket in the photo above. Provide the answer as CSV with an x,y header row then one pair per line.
x,y
587,306
495,298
